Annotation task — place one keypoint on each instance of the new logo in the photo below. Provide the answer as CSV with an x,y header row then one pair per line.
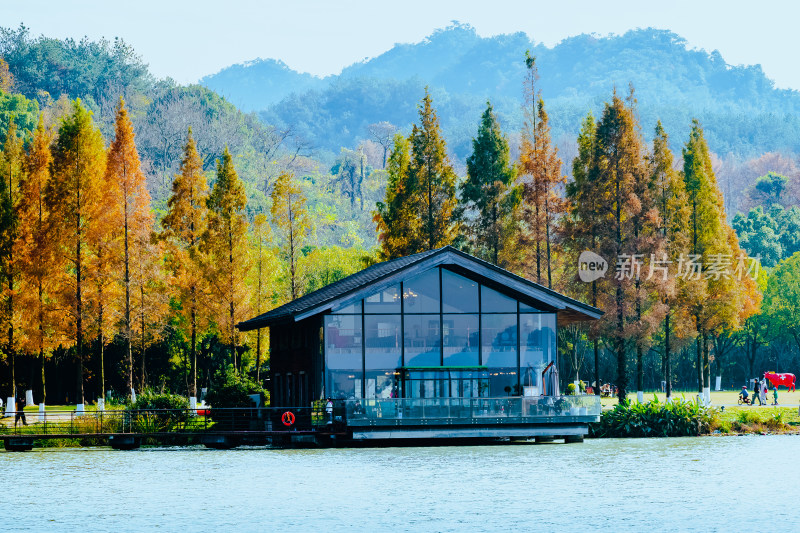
x,y
591,266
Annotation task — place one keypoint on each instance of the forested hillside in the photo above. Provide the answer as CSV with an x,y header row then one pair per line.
x,y
740,109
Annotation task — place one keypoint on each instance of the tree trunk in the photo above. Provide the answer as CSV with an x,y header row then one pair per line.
x,y
639,369
667,366
699,356
79,309
258,355
193,347
128,335
706,366
141,316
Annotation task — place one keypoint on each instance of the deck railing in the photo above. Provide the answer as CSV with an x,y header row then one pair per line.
x,y
160,421
527,408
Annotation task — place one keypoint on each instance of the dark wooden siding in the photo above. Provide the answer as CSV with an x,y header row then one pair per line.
x,y
296,362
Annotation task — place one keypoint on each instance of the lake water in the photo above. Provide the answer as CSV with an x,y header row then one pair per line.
x,y
607,485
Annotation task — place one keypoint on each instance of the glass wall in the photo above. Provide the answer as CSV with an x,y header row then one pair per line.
x,y
383,354
422,340
460,337
344,356
499,352
437,334
537,349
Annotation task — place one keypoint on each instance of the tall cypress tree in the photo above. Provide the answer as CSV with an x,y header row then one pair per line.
x,y
36,251
184,225
672,225
72,197
583,223
434,180
225,242
132,201
11,175
617,165
488,194
718,301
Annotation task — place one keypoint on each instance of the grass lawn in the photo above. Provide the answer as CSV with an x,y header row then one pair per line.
x,y
718,398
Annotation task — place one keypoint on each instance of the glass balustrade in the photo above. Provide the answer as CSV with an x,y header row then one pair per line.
x,y
521,409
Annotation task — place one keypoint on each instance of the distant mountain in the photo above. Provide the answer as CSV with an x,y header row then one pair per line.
x,y
254,85
741,110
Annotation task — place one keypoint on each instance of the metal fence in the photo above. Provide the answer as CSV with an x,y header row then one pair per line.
x,y
160,421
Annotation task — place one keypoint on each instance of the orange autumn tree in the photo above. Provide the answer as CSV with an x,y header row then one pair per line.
x,y
72,197
36,254
542,182
11,174
133,215
184,225
102,291
226,247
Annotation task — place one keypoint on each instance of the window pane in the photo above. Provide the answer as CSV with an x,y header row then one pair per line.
x,y
459,294
500,340
527,308
422,340
385,301
494,302
538,344
503,382
460,334
383,342
421,293
382,384
343,356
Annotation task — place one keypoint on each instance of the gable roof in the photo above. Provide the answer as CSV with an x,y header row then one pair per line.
x,y
382,275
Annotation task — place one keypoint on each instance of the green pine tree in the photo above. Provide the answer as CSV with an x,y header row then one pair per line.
x,y
489,197
434,181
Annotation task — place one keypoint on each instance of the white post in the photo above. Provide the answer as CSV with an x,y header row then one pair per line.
x,y
79,409
133,395
707,395
101,404
41,412
719,383
640,396
10,406
29,398
193,405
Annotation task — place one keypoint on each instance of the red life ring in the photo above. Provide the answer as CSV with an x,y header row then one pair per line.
x,y
287,418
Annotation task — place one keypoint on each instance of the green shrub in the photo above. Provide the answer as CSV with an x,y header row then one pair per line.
x,y
157,412
234,390
655,419
154,400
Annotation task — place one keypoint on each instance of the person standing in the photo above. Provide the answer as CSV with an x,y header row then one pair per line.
x,y
763,392
757,395
775,395
20,413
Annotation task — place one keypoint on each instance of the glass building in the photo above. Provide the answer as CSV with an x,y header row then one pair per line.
x,y
423,330
437,334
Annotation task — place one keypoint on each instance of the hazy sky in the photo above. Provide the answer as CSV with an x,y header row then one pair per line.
x,y
189,39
